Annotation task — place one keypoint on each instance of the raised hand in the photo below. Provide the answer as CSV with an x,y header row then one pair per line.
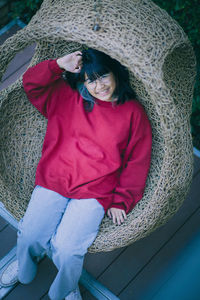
x,y
71,62
118,215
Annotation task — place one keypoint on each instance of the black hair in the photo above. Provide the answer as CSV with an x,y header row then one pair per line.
x,y
95,64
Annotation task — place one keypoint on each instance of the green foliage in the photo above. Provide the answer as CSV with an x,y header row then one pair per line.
x,y
25,9
187,14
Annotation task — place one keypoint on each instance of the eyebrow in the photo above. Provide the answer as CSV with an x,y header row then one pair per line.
x,y
105,74
88,79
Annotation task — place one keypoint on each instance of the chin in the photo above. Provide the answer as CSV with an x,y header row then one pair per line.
x,y
106,98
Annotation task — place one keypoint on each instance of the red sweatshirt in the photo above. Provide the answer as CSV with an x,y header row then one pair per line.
x,y
103,154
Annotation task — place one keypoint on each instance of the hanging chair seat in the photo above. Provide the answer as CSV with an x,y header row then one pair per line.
x,y
161,63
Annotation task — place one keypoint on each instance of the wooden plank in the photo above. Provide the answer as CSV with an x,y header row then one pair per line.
x,y
96,263
82,289
8,238
87,296
9,33
11,79
3,223
7,216
131,262
185,273
21,58
38,287
196,165
159,270
86,279
8,258
95,287
45,297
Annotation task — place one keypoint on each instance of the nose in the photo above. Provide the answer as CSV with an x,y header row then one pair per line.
x,y
99,85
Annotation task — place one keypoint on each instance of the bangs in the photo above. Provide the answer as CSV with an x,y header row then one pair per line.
x,y
94,71
94,65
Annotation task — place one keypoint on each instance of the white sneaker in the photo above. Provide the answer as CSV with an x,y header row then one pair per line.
x,y
9,275
74,295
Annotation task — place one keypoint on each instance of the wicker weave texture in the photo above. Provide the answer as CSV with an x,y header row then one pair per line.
x,y
161,62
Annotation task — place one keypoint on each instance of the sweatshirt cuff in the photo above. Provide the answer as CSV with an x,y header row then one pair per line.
x,y
119,205
54,67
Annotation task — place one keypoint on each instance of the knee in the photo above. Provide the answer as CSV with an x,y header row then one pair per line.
x,y
24,239
27,235
67,251
73,246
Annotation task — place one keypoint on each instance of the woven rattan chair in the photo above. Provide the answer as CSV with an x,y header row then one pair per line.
x,y
161,62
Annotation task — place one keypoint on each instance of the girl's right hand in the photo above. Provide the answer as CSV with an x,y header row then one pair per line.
x,y
71,62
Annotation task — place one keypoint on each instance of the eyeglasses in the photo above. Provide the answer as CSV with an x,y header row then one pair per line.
x,y
101,79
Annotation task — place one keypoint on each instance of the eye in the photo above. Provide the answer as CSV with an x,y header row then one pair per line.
x,y
90,82
105,75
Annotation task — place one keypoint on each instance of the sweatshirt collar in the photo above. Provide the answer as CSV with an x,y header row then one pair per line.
x,y
104,103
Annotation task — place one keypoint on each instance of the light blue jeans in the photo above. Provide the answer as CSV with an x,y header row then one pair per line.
x,y
62,227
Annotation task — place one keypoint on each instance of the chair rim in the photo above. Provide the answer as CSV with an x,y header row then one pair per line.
x,y
34,30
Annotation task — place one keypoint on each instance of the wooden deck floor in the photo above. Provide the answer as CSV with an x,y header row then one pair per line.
x,y
128,272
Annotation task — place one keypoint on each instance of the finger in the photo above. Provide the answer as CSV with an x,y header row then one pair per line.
x,y
77,63
114,218
79,56
109,214
77,70
79,60
79,53
124,214
121,219
121,216
118,220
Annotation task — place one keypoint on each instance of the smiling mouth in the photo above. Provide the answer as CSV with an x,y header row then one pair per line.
x,y
103,93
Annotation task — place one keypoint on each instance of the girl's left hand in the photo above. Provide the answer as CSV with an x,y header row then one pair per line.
x,y
117,214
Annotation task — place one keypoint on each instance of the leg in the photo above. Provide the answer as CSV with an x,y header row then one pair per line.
x,y
36,228
76,232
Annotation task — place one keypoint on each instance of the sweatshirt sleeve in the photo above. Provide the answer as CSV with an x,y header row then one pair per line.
x,y
39,83
136,163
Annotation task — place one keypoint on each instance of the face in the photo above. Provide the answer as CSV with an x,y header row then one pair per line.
x,y
102,88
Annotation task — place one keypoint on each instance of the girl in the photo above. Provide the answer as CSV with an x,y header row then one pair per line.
x,y
95,160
